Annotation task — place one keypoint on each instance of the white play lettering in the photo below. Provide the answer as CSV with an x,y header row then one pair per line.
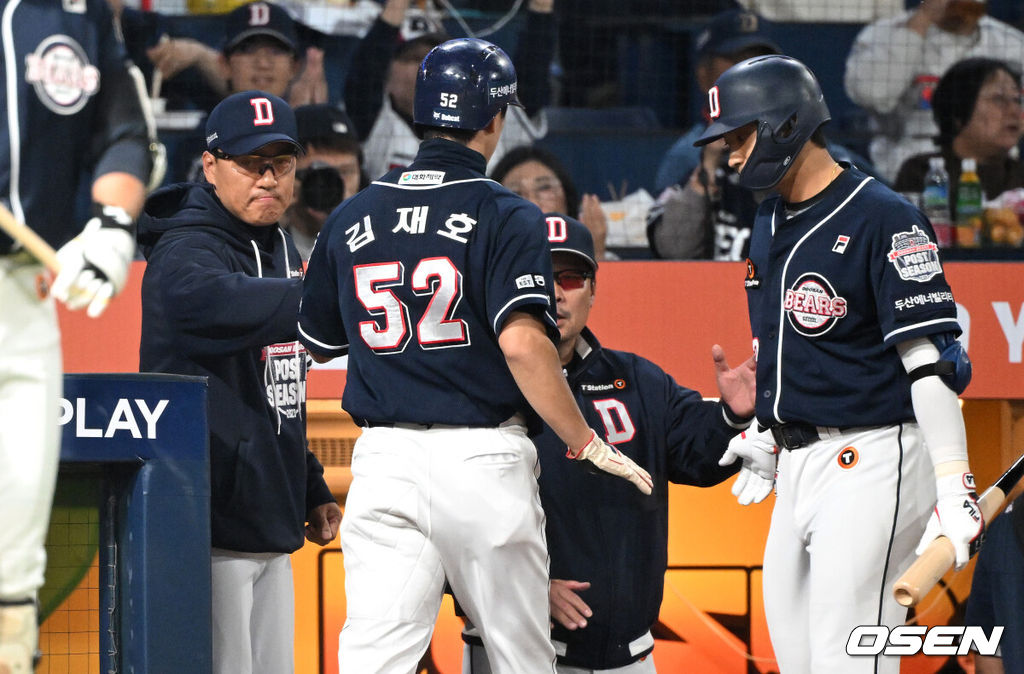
x,y
1013,328
122,418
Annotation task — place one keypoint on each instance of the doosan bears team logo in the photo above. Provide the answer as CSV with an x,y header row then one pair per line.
x,y
60,71
915,256
813,306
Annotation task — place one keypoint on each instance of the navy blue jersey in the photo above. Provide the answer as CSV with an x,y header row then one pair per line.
x,y
600,529
219,299
414,277
69,107
832,287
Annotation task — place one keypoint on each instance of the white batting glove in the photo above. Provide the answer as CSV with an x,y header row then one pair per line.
x,y
757,476
957,516
611,460
94,264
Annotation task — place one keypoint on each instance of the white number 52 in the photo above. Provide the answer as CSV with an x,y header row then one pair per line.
x,y
449,100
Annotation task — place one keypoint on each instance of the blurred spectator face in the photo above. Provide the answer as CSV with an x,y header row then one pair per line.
x,y
401,82
538,184
263,63
961,16
995,124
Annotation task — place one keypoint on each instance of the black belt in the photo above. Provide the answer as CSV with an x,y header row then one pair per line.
x,y
795,435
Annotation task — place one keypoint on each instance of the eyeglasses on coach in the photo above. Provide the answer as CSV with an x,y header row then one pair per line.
x,y
255,165
572,279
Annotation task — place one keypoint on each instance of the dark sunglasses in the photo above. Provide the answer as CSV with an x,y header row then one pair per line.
x,y
572,279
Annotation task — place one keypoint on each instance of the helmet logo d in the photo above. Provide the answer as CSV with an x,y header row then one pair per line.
x,y
714,109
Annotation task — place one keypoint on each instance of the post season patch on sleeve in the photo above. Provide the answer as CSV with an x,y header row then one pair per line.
x,y
914,255
813,306
421,178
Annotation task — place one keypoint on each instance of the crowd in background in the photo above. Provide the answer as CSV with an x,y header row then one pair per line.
x,y
614,97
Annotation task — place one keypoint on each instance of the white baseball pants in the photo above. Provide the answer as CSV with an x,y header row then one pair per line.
x,y
840,536
31,383
253,613
426,504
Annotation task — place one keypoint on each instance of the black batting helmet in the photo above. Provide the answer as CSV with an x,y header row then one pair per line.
x,y
463,84
779,93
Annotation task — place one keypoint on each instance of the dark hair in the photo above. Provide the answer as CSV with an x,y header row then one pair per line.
x,y
524,153
956,94
461,136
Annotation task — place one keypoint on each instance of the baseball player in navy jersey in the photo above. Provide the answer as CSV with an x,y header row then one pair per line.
x,y
858,373
604,605
436,282
69,107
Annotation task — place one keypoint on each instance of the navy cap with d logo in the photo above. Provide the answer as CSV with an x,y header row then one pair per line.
x,y
248,120
567,235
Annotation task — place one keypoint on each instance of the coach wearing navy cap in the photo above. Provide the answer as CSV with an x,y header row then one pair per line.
x,y
220,300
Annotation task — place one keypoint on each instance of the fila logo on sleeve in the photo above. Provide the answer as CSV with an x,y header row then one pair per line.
x,y
263,111
557,230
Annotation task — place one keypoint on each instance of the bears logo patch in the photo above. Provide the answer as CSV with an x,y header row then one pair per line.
x,y
915,256
60,71
813,306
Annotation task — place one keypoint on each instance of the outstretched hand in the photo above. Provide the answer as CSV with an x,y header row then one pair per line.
x,y
567,607
737,386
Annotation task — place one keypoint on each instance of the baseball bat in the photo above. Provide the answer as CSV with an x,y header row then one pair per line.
x,y
933,563
31,241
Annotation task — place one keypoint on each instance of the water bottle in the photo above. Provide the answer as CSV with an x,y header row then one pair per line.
x,y
935,202
968,206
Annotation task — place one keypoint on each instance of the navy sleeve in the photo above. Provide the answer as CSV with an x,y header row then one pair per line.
x,y
317,492
320,325
121,138
367,73
911,294
519,276
697,434
216,311
534,54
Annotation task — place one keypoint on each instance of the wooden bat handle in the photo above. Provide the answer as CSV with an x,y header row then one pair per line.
x,y
31,241
936,559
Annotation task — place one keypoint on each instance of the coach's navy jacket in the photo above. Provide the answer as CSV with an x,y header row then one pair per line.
x,y
600,529
220,299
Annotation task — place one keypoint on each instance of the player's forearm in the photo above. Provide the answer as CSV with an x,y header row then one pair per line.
x,y
533,361
120,189
937,410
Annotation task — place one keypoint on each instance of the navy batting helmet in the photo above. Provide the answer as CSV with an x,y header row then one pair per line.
x,y
779,93
463,84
